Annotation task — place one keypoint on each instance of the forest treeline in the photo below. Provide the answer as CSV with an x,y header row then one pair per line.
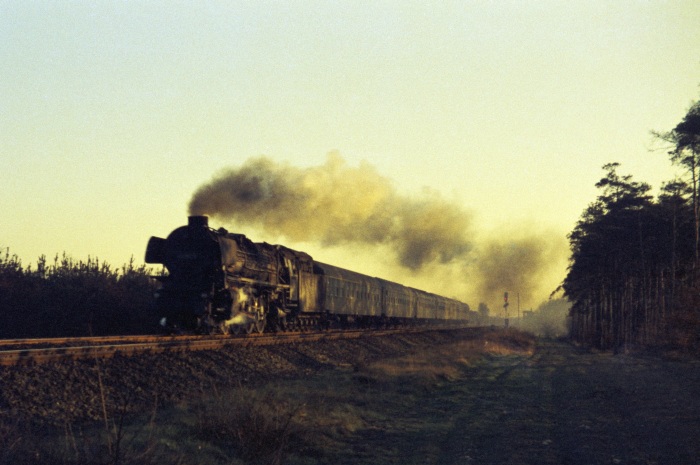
x,y
65,297
634,273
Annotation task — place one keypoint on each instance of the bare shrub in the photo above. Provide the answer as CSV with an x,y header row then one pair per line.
x,y
256,426
12,441
121,440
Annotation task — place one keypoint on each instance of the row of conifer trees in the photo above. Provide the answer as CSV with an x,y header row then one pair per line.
x,y
65,297
634,274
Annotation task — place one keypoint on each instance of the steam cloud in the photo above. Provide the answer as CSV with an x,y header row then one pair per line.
x,y
336,204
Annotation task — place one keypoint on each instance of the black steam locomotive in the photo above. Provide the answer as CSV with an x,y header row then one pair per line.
x,y
221,282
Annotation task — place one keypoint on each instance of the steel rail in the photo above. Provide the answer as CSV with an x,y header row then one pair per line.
x,y
82,340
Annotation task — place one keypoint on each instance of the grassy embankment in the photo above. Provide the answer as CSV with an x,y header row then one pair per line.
x,y
324,418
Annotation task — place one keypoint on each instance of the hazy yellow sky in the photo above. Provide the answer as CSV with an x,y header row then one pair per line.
x,y
113,113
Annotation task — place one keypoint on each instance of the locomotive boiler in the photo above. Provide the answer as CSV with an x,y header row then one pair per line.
x,y
219,281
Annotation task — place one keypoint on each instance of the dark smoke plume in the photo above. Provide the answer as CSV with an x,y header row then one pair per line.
x,y
337,204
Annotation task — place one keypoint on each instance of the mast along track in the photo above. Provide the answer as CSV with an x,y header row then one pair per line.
x,y
38,351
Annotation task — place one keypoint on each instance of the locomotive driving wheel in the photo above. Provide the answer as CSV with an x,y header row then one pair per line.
x,y
260,325
282,323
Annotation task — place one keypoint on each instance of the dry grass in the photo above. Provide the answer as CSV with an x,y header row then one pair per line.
x,y
446,362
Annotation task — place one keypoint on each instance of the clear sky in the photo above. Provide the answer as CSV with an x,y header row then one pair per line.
x,y
112,114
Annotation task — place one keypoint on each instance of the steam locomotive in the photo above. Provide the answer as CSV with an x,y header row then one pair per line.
x,y
221,282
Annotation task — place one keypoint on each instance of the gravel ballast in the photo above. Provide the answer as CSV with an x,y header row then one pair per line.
x,y
81,390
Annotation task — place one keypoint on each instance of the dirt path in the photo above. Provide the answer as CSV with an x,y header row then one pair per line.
x,y
559,406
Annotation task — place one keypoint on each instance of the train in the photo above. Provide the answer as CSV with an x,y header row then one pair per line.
x,y
222,282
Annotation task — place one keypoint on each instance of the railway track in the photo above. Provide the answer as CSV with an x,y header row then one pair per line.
x,y
37,351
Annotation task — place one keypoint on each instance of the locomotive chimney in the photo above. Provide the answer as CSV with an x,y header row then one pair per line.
x,y
198,221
